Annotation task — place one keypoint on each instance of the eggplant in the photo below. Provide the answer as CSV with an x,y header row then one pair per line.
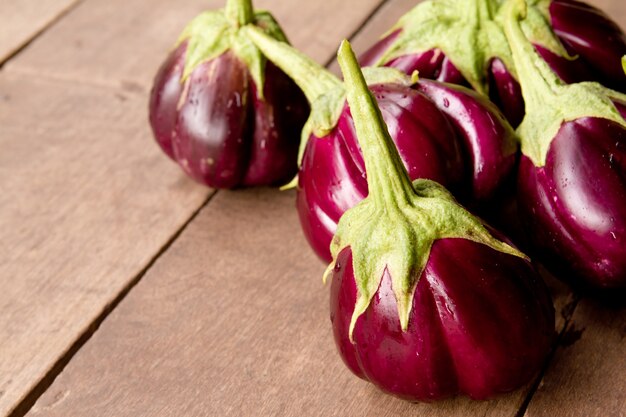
x,y
425,302
462,42
572,174
446,133
589,33
227,116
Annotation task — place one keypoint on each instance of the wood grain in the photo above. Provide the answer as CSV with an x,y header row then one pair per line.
x,y
588,374
378,25
114,42
87,200
231,321
21,20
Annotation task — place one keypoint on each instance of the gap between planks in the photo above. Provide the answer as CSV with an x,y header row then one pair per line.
x,y
39,32
46,381
568,313
31,398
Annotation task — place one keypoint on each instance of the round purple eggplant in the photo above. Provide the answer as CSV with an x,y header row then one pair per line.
x,y
425,303
572,174
588,32
444,132
462,42
227,116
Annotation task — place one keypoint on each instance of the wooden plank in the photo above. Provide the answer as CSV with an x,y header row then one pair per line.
x,y
87,200
588,374
124,41
382,21
22,20
231,321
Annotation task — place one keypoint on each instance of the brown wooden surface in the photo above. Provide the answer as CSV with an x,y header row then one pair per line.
x,y
232,319
138,33
24,19
87,200
588,374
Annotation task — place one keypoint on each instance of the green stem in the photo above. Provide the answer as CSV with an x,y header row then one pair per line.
x,y
535,76
239,12
313,79
387,179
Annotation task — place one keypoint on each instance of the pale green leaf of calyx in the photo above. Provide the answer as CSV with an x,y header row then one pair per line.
x,y
399,238
569,102
243,48
208,36
264,20
538,29
468,38
548,100
325,112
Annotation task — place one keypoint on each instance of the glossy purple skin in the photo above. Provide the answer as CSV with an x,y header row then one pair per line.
x,y
489,147
482,323
443,132
574,208
217,129
591,34
432,64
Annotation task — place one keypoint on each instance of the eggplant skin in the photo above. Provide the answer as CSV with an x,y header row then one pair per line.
x,y
574,207
214,125
481,324
588,32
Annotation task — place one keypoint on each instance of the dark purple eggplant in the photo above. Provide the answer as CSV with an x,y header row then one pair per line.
x,y
588,32
572,174
227,116
426,303
446,133
462,42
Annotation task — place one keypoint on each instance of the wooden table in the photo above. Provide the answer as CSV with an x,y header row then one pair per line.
x,y
128,290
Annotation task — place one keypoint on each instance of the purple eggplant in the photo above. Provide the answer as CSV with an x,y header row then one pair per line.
x,y
227,116
444,132
588,32
462,42
425,302
572,174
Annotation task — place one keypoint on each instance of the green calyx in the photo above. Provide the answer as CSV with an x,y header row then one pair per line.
x,y
549,101
212,33
468,32
395,226
324,91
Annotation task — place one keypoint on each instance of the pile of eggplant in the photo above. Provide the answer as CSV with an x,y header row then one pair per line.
x,y
465,113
